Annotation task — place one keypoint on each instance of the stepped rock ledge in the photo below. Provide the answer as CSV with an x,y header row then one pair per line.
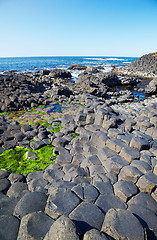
x,y
145,67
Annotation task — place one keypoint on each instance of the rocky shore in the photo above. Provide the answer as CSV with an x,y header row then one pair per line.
x,y
103,184
145,67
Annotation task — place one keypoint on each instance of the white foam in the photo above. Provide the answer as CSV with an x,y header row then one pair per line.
x,y
114,59
75,74
107,69
95,59
126,62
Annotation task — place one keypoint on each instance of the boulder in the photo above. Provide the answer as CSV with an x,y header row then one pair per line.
x,y
63,228
9,226
60,73
127,80
34,226
77,67
105,202
61,202
16,189
94,234
147,182
87,216
129,173
122,224
86,192
146,217
4,185
151,88
30,202
125,190
145,200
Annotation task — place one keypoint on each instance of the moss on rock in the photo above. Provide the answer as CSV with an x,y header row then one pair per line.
x,y
15,161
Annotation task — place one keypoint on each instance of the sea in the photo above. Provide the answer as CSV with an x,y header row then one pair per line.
x,y
35,64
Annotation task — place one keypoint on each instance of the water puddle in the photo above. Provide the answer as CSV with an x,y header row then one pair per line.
x,y
42,113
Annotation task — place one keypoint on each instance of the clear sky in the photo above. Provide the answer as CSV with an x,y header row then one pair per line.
x,y
78,27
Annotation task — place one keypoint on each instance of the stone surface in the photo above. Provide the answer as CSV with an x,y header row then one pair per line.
x,y
139,143
4,174
86,192
61,202
94,234
146,217
37,185
129,154
16,189
125,190
16,177
87,216
36,144
30,202
145,200
4,185
147,182
114,164
105,202
7,204
63,228
9,226
31,155
129,173
142,166
103,187
122,224
34,226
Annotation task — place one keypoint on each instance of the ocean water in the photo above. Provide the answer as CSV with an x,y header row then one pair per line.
x,y
34,64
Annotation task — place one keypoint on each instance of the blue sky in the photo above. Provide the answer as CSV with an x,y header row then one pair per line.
x,y
78,27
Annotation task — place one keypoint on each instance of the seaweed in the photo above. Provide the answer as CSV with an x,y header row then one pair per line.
x,y
14,160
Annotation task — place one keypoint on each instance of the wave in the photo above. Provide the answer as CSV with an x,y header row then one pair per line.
x,y
114,59
98,59
126,62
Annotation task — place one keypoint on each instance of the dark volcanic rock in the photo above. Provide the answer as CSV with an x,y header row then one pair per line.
x,y
9,226
145,66
34,226
122,224
87,216
30,202
110,79
89,83
59,73
77,67
152,87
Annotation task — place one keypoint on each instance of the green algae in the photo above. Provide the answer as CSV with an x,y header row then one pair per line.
x,y
75,135
45,124
83,105
32,140
57,129
15,161
3,113
39,112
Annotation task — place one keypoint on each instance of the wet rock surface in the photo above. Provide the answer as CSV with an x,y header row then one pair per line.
x,y
103,183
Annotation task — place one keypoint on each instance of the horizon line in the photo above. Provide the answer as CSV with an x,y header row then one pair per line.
x,y
66,56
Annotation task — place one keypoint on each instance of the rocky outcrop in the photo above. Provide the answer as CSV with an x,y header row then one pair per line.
x,y
60,73
77,67
152,87
145,67
96,84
